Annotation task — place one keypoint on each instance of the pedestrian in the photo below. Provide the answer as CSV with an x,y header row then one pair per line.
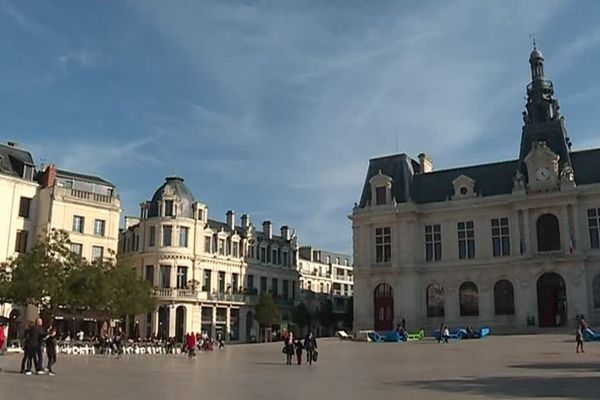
x,y
299,349
440,333
25,347
446,334
310,345
220,340
579,340
118,341
36,337
191,344
51,350
2,343
288,348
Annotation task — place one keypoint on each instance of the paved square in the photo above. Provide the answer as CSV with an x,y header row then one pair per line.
x,y
540,366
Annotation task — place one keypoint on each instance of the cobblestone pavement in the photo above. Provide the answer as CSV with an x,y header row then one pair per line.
x,y
513,367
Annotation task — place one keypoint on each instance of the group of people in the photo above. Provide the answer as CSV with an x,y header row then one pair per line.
x,y
293,346
202,342
36,337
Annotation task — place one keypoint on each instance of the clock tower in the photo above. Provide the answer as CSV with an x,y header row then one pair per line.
x,y
544,132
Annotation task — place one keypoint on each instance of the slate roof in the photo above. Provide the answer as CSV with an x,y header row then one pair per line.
x,y
490,179
61,173
178,187
13,159
217,225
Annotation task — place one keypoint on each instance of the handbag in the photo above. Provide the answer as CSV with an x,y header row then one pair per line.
x,y
315,356
284,350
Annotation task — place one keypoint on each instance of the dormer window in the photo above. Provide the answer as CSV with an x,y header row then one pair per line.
x,y
381,189
169,209
380,195
464,187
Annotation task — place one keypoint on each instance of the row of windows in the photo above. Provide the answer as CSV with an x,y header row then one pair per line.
x,y
97,251
79,225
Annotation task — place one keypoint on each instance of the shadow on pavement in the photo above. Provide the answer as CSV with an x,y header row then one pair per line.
x,y
563,366
519,387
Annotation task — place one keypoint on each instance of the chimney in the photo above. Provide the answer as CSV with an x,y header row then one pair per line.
x,y
285,232
268,229
245,221
13,144
426,163
231,219
49,176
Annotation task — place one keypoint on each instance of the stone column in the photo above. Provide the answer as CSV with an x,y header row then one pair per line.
x,y
213,329
172,320
228,324
529,240
155,322
156,280
173,274
242,317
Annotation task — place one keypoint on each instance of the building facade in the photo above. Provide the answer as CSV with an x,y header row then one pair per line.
x,y
514,245
206,274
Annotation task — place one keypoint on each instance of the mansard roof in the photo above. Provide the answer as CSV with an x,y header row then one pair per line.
x,y
490,179
13,160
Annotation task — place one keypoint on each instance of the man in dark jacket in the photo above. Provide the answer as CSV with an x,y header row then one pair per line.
x,y
310,345
36,338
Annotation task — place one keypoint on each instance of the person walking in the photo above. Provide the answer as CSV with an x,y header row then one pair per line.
x,y
191,345
579,340
299,349
2,343
288,348
220,340
51,350
310,345
36,338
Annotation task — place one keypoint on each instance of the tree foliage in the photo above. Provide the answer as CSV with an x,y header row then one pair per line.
x,y
301,315
266,310
52,277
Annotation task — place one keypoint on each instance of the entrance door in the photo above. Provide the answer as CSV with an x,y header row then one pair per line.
x,y
179,323
383,300
552,300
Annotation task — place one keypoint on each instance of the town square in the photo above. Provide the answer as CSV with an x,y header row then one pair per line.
x,y
299,199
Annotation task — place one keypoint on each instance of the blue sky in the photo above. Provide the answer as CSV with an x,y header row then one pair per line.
x,y
274,108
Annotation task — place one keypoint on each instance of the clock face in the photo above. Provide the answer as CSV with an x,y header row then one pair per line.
x,y
542,174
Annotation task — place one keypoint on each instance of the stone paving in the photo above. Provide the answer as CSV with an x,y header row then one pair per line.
x,y
511,367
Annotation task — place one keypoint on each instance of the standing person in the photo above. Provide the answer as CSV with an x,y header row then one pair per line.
x,y
26,348
2,343
299,349
118,341
37,335
446,334
440,333
310,345
51,350
191,345
579,340
288,348
220,340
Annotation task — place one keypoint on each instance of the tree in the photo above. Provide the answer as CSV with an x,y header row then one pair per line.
x,y
266,311
129,295
301,316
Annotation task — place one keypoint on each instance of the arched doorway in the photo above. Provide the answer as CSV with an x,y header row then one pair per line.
x,y
179,323
552,300
383,299
548,233
434,298
163,322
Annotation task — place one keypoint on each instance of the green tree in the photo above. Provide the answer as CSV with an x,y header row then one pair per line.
x,y
128,294
301,316
266,311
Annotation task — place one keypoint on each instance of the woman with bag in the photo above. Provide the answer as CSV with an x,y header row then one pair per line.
x,y
310,345
288,348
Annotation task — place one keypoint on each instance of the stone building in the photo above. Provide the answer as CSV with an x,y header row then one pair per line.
x,y
514,245
207,274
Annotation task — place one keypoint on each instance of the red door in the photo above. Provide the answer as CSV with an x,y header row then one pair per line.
x,y
384,307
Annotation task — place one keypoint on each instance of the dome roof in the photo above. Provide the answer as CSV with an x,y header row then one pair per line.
x,y
536,54
176,189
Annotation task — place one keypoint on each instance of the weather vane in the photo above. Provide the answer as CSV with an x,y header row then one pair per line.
x,y
532,36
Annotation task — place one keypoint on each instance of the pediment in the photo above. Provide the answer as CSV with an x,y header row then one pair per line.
x,y
464,187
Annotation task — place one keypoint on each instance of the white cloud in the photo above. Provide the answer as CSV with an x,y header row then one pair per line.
x,y
83,57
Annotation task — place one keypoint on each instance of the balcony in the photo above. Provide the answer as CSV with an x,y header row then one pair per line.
x,y
235,297
82,195
176,294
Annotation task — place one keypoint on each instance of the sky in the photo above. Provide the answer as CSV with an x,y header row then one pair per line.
x,y
274,108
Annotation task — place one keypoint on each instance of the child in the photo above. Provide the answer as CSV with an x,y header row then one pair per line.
x,y
299,349
51,350
579,340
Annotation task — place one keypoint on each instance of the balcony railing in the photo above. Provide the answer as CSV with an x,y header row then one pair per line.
x,y
87,196
176,293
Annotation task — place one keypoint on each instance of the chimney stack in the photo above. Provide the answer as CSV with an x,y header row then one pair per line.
x,y
426,163
13,144
245,221
285,232
49,176
268,229
231,219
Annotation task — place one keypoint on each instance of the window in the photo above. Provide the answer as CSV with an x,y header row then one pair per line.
x,y
548,233
207,241
182,273
263,254
24,207
150,274
152,237
263,284
183,236
97,252
235,282
596,291
380,195
504,298
165,276
594,227
321,287
206,280
235,249
221,247
77,248
200,214
435,300
468,297
169,208
433,242
383,245
285,259
21,241
500,237
275,287
466,239
99,227
221,282
286,289
250,283
167,235
274,257
78,223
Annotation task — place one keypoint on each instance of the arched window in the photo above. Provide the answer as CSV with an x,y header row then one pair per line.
x,y
596,291
548,233
469,299
504,298
435,300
